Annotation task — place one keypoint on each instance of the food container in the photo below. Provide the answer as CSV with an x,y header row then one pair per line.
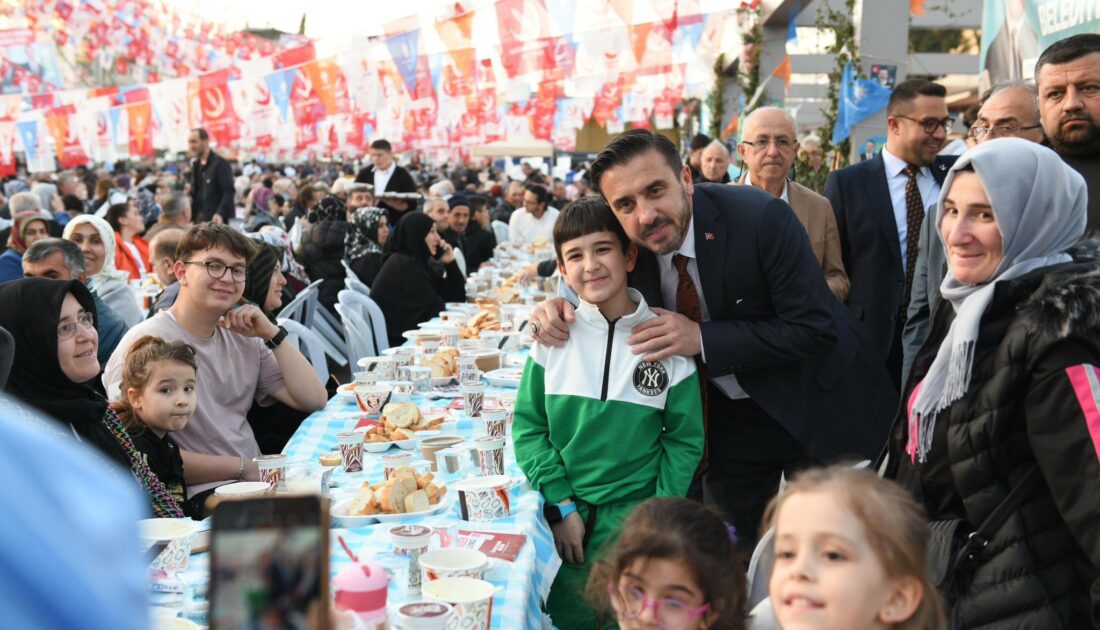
x,y
490,454
451,562
351,450
394,461
425,616
471,598
272,469
484,498
430,446
473,398
168,541
411,541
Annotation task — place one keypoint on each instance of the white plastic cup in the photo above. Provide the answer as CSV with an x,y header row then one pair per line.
x,y
490,454
411,541
351,450
493,422
272,469
451,562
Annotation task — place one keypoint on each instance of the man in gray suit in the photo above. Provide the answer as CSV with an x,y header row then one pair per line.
x,y
1010,110
1015,45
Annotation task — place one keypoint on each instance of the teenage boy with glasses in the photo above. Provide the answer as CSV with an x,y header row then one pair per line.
x,y
242,356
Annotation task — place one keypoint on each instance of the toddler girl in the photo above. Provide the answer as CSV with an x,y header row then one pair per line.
x,y
157,396
674,567
850,554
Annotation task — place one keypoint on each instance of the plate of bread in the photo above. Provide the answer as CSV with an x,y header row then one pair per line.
x,y
398,426
486,319
444,365
404,496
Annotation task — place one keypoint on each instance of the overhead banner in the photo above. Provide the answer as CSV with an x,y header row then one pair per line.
x,y
1015,32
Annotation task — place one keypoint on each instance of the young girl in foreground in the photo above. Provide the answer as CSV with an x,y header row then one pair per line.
x,y
850,554
157,396
674,567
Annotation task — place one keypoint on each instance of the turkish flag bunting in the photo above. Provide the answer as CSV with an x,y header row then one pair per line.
x,y
70,153
141,129
523,35
216,107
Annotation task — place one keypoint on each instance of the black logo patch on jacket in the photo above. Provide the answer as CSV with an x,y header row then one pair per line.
x,y
650,378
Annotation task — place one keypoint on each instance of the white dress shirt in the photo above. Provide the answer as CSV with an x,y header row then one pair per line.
x,y
896,179
670,279
784,197
523,227
382,178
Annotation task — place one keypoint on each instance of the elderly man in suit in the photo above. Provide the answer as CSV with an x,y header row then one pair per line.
x,y
791,380
879,206
768,149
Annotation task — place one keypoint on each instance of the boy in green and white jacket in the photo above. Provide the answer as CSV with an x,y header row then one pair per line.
x,y
597,429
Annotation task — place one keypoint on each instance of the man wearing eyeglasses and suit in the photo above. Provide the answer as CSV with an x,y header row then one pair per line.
x,y
880,206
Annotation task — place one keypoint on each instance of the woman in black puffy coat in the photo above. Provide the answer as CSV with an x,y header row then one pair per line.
x,y
1007,383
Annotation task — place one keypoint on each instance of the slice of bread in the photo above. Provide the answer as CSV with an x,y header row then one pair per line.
x,y
416,502
401,415
402,488
362,500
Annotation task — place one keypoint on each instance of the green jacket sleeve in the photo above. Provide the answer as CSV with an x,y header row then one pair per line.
x,y
682,439
535,454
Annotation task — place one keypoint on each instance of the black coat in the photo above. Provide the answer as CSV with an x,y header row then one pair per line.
x,y
401,181
775,324
322,253
367,267
212,189
409,292
1032,399
479,246
869,245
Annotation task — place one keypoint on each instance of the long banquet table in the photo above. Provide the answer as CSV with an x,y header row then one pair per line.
x,y
522,584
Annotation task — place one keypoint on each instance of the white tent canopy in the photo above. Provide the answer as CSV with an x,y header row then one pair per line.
x,y
518,148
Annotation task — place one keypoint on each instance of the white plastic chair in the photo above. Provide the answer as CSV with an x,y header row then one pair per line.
x,y
371,314
760,568
309,344
306,309
500,229
353,282
358,333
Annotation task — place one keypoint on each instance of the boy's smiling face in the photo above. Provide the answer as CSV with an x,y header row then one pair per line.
x,y
595,266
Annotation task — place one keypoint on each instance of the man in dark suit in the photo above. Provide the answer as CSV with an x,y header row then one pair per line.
x,y
879,206
387,177
211,181
791,380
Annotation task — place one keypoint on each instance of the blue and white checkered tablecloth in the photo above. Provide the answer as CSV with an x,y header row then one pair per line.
x,y
524,585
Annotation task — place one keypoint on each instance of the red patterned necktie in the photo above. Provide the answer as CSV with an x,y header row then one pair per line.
x,y
914,217
687,304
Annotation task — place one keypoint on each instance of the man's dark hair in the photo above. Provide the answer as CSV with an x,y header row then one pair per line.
x,y
203,236
383,145
699,141
116,212
907,91
630,145
585,216
202,133
1067,50
477,202
539,191
44,248
72,203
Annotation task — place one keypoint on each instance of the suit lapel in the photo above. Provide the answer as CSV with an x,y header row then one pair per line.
x,y
710,252
882,205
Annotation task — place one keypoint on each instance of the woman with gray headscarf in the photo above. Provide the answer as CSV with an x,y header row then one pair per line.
x,y
1005,393
367,233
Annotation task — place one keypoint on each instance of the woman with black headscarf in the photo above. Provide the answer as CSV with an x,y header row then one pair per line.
x,y
263,286
368,230
56,371
407,288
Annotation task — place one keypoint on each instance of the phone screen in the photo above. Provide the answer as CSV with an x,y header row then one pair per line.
x,y
269,563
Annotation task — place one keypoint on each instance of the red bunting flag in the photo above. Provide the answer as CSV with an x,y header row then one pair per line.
x,y
216,108
141,129
8,164
59,122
